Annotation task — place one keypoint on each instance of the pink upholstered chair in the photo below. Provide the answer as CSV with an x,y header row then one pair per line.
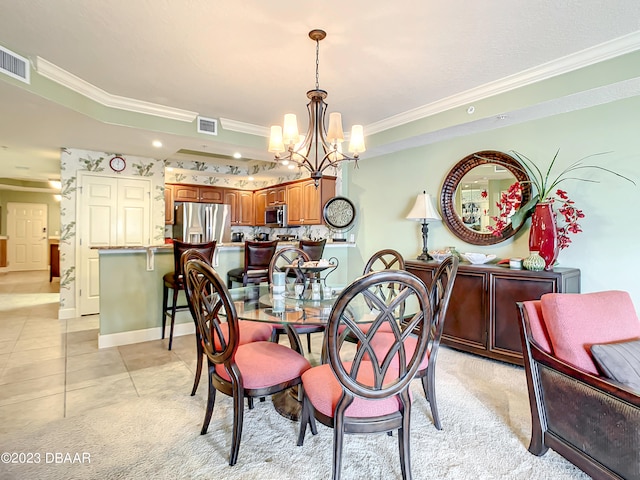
x,y
367,396
249,331
439,294
255,369
591,420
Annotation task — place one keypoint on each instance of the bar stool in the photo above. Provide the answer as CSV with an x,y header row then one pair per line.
x,y
313,248
257,256
175,281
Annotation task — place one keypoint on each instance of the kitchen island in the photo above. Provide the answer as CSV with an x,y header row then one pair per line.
x,y
131,288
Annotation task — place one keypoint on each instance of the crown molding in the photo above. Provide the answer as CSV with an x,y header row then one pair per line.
x,y
78,85
242,127
584,58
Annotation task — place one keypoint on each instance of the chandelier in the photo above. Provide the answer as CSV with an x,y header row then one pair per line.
x,y
320,148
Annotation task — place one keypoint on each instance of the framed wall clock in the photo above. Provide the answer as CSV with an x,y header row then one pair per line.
x,y
117,164
339,213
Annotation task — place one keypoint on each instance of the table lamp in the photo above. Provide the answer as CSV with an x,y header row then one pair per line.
x,y
424,211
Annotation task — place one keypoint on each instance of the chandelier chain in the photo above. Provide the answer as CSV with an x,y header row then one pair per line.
x,y
317,63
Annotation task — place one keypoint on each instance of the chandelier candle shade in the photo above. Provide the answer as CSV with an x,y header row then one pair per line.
x,y
424,211
319,149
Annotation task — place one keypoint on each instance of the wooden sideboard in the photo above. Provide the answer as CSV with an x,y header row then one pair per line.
x,y
483,317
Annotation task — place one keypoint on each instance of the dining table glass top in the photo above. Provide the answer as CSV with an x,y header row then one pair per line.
x,y
260,304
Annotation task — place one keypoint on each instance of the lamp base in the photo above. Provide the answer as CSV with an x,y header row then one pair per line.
x,y
424,256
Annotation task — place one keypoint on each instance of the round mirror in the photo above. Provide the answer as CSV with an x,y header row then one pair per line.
x,y
472,190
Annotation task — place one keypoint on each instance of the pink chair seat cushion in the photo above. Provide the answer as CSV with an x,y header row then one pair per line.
x,y
382,341
323,390
263,364
577,321
537,325
249,332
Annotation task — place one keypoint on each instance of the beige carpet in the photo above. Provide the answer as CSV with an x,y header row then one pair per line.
x,y
483,408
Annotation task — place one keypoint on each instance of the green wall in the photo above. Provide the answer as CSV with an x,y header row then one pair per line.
x,y
384,189
7,196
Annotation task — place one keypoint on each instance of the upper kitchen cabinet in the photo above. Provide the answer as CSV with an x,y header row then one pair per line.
x,y
305,201
259,206
241,202
277,195
169,211
195,193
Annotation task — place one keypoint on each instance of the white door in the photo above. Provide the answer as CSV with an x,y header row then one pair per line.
x,y
113,212
27,236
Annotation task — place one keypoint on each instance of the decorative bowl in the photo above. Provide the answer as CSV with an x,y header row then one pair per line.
x,y
439,256
477,258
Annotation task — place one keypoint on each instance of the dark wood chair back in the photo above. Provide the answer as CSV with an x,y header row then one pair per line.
x,y
282,261
387,259
258,255
206,249
313,248
211,306
366,375
439,295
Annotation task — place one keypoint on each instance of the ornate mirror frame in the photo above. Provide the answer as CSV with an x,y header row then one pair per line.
x,y
447,196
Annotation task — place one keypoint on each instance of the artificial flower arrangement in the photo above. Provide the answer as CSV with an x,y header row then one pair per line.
x,y
511,210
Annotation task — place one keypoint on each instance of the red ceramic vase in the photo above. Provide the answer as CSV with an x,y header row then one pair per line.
x,y
543,236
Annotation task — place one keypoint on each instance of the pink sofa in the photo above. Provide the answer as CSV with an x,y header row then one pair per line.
x,y
590,420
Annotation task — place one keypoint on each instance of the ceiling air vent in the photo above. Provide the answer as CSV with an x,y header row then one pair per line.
x,y
14,65
208,126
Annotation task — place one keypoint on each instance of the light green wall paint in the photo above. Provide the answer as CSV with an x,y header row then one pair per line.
x,y
53,207
385,188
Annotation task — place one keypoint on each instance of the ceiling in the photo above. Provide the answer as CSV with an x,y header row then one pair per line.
x,y
251,62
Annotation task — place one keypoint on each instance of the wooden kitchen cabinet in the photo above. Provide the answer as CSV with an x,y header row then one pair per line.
x,y
197,193
169,211
305,201
241,202
483,317
259,206
277,195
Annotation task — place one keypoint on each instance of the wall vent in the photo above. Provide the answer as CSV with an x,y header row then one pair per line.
x,y
14,65
207,125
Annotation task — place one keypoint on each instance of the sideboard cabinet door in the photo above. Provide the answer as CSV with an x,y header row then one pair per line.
x,y
483,316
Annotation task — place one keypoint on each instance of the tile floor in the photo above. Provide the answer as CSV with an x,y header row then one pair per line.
x,y
52,368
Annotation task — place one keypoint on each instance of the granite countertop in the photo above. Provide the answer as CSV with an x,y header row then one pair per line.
x,y
167,247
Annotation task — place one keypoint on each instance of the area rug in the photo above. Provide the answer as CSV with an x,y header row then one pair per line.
x,y
483,407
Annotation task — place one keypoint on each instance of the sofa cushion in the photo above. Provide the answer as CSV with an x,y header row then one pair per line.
x,y
537,326
619,361
575,321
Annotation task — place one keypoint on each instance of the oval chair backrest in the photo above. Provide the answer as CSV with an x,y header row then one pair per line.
x,y
283,258
386,380
387,259
207,249
209,300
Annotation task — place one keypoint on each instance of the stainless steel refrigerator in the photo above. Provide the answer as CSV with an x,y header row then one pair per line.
x,y
202,222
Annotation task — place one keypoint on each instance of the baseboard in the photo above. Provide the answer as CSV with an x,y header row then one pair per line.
x,y
146,335
66,313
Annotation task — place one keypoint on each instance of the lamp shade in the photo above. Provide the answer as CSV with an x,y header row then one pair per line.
x,y
424,209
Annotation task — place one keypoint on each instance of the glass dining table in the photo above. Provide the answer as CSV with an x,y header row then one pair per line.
x,y
290,308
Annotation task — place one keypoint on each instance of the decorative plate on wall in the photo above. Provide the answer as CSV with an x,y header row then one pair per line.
x,y
339,213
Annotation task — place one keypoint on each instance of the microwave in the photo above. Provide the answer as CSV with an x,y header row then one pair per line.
x,y
275,216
